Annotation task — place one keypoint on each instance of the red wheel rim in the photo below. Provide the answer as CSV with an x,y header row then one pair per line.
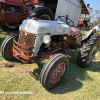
x,y
57,73
11,51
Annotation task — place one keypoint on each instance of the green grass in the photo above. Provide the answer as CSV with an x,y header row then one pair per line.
x,y
78,83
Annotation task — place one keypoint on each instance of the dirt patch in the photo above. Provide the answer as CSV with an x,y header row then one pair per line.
x,y
22,69
8,64
16,67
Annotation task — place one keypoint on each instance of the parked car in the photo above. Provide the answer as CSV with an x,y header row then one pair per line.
x,y
80,23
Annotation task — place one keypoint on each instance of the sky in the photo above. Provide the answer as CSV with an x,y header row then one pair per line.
x,y
93,3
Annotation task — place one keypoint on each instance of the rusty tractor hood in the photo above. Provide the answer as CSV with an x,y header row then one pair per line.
x,y
18,2
13,2
44,26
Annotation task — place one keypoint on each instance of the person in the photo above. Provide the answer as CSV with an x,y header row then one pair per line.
x,y
85,23
58,18
66,19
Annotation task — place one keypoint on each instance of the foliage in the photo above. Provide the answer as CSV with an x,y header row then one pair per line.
x,y
94,14
83,17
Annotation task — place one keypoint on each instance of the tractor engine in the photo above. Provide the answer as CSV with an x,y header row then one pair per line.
x,y
9,14
12,12
56,41
38,37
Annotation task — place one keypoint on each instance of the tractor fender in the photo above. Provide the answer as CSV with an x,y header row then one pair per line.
x,y
94,30
98,29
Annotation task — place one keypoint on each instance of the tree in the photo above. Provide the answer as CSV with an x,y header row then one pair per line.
x,y
84,17
98,15
93,15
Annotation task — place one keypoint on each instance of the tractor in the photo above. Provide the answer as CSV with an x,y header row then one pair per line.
x,y
13,12
51,40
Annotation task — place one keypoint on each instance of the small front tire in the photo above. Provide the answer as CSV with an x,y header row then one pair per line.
x,y
7,48
53,71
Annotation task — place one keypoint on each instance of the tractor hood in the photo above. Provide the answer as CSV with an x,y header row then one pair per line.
x,y
13,2
18,2
44,26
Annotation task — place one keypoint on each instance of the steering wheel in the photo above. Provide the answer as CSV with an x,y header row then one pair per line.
x,y
70,22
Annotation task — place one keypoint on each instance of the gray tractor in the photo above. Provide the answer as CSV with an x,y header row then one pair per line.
x,y
48,39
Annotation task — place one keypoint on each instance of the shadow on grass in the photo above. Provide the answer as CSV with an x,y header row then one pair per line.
x,y
36,72
73,77
6,33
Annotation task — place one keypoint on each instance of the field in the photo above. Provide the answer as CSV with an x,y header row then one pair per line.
x,y
20,81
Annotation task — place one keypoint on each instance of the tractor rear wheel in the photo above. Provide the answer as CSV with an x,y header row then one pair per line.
x,y
7,47
88,50
41,13
54,70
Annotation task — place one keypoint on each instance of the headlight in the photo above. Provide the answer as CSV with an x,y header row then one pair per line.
x,y
20,28
46,39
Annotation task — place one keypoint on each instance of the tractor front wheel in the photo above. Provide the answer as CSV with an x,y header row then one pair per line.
x,y
88,50
7,47
54,70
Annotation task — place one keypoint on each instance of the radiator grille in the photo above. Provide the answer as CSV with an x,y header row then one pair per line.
x,y
27,39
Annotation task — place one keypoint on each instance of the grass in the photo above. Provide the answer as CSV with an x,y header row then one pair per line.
x,y
78,83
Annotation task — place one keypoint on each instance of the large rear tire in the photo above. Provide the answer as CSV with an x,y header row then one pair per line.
x,y
41,13
88,50
53,71
7,48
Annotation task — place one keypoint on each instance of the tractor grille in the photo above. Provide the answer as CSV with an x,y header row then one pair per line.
x,y
27,39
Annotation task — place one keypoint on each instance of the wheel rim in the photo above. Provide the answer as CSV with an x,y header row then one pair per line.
x,y
57,73
12,27
45,17
11,51
93,52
